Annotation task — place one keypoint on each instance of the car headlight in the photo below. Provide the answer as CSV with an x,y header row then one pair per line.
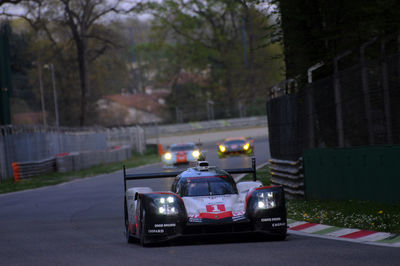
x,y
166,206
168,156
265,200
246,146
222,148
196,154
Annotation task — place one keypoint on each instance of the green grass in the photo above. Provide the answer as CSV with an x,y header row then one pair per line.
x,y
365,215
57,178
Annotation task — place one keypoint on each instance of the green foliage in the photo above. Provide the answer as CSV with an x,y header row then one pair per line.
x,y
365,215
350,214
263,175
226,38
219,48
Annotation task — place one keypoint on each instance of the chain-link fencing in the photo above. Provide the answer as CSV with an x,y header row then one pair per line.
x,y
357,106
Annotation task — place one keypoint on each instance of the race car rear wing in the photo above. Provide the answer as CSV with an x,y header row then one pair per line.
x,y
129,176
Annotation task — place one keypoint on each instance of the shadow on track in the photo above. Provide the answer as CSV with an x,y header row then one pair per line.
x,y
218,240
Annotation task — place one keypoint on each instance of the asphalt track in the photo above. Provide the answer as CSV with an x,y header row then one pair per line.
x,y
81,223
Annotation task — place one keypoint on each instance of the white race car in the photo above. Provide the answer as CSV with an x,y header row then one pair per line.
x,y
184,153
203,200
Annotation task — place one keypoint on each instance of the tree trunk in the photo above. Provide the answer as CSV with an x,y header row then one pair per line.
x,y
83,76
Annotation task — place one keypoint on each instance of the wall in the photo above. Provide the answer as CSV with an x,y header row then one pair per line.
x,y
365,173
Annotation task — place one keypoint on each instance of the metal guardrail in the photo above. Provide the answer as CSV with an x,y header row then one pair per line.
x,y
289,174
76,161
33,168
71,161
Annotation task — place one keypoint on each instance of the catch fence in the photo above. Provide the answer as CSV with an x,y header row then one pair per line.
x,y
357,106
36,143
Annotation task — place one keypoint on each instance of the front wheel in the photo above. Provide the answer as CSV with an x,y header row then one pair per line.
x,y
281,236
128,236
143,241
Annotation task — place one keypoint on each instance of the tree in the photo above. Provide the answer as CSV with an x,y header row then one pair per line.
x,y
79,20
314,31
217,36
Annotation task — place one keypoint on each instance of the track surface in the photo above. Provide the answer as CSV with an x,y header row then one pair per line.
x,y
81,223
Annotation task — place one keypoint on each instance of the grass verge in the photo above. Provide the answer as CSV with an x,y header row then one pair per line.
x,y
57,178
348,213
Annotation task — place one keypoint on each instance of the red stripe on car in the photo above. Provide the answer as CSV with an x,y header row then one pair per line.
x,y
215,216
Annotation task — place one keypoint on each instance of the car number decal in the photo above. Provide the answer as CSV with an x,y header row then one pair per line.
x,y
215,208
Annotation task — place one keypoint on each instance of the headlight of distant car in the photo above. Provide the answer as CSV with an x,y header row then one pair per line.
x,y
265,200
246,146
196,154
166,205
168,156
222,148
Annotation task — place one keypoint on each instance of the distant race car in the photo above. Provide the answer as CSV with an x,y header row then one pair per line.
x,y
203,200
236,146
181,154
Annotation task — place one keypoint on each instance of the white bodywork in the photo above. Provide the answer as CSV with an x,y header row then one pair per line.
x,y
203,206
131,201
232,205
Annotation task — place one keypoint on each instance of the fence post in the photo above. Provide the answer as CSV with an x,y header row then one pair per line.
x,y
3,168
338,99
310,105
398,60
386,96
367,101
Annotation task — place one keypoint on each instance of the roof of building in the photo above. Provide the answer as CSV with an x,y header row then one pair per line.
x,y
152,103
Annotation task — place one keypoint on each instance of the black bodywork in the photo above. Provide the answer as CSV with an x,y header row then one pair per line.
x,y
235,147
154,227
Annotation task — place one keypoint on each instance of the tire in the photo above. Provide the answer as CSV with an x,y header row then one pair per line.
x,y
143,241
281,236
129,238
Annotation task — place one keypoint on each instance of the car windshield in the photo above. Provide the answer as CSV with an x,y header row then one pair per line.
x,y
235,142
206,186
187,147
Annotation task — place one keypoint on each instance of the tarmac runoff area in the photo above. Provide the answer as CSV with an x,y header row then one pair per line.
x,y
210,136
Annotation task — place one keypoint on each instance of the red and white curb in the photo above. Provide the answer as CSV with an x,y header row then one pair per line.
x,y
344,234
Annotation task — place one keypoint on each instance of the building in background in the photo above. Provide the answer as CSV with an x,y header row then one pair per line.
x,y
130,109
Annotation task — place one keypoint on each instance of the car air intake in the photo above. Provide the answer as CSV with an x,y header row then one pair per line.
x,y
202,165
